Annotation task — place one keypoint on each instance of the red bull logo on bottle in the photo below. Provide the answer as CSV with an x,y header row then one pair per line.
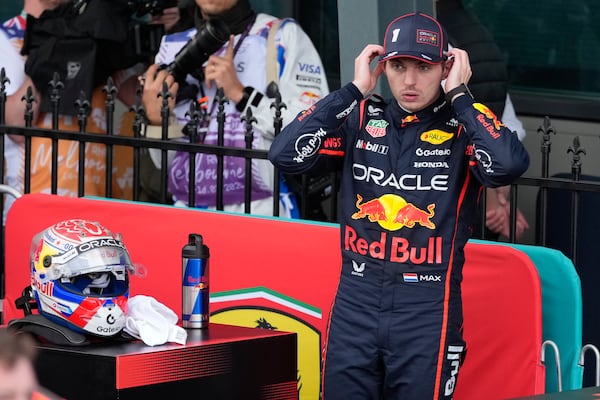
x,y
195,311
195,290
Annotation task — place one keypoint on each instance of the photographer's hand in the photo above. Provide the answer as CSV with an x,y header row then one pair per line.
x,y
221,71
153,84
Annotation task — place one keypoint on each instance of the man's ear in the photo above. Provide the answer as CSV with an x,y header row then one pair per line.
x,y
446,67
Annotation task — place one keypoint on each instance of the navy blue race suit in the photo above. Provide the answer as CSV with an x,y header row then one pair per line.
x,y
409,197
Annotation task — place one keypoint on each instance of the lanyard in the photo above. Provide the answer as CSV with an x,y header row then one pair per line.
x,y
204,123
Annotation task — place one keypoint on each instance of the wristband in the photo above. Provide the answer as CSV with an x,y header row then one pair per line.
x,y
460,89
245,97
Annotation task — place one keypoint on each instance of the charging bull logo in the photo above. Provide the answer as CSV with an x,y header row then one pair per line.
x,y
392,212
409,119
409,215
372,209
488,120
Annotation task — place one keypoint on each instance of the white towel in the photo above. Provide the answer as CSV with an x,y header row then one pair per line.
x,y
152,322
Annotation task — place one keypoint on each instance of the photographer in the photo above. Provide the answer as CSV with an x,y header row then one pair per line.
x,y
29,31
238,67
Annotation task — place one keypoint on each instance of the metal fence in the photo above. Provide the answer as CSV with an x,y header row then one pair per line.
x,y
323,187
137,142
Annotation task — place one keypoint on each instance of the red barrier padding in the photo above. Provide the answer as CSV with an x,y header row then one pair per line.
x,y
294,266
502,303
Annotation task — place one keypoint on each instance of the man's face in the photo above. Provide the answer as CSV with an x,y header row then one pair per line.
x,y
415,84
18,382
213,8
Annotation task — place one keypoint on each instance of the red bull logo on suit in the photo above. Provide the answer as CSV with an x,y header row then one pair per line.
x,y
409,119
488,120
394,248
393,212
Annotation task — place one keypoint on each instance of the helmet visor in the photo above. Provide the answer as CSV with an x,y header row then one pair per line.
x,y
87,259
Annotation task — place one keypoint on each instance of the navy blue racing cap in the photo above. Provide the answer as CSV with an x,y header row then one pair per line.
x,y
416,36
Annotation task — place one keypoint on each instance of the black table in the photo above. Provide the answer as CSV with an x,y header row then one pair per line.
x,y
221,362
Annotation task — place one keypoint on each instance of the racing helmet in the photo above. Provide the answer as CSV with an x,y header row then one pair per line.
x,y
80,277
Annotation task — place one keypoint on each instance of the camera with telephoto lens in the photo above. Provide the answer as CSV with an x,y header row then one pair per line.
x,y
195,53
96,37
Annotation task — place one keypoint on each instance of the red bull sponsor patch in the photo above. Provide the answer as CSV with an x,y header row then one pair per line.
x,y
409,119
394,248
488,120
374,209
377,127
410,215
306,113
427,37
393,212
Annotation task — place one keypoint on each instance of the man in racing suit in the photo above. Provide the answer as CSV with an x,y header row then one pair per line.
x,y
412,172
